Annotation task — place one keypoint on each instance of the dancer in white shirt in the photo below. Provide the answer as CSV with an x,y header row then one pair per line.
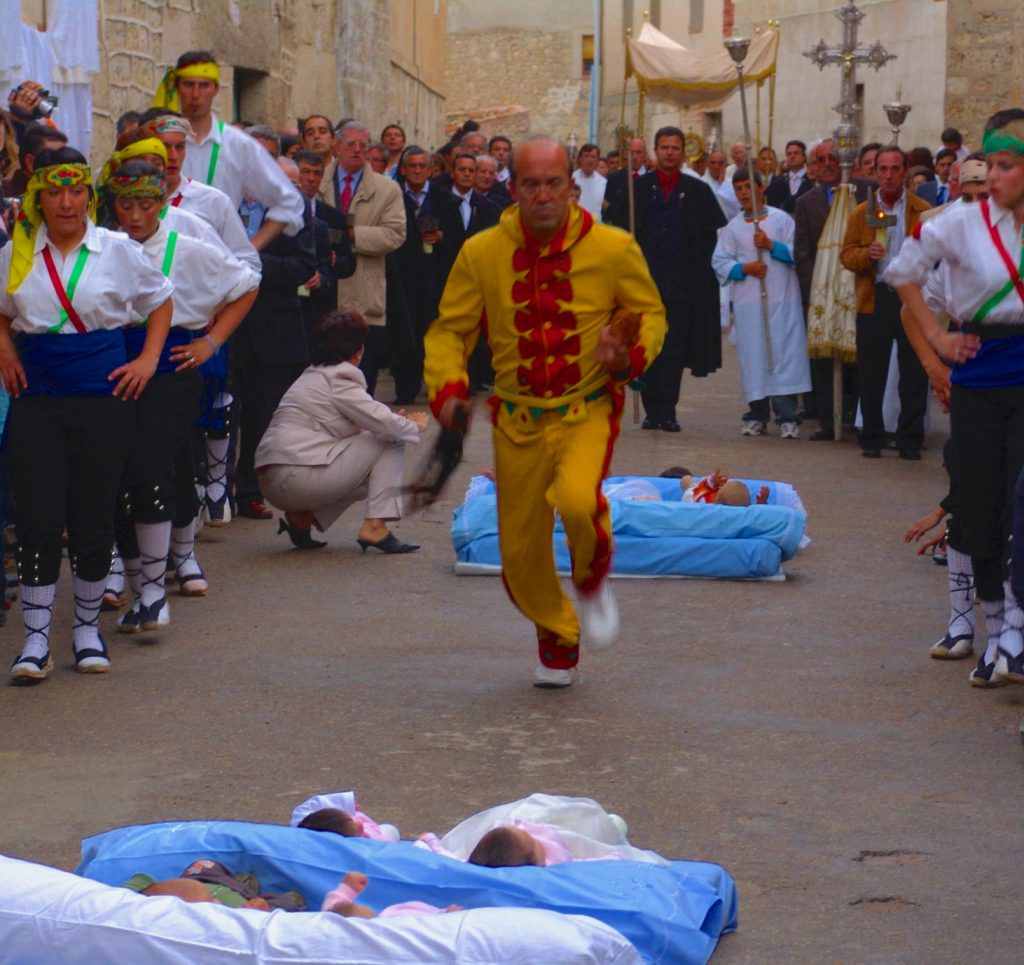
x,y
68,290
159,481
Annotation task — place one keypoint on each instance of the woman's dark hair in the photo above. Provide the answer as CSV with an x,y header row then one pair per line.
x,y
927,173
59,155
333,820
137,168
501,848
920,157
337,336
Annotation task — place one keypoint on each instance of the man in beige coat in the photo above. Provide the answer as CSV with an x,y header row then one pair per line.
x,y
378,228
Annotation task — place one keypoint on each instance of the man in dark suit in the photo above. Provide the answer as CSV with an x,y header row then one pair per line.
x,y
333,248
487,184
475,214
616,200
810,213
796,182
433,238
269,351
677,222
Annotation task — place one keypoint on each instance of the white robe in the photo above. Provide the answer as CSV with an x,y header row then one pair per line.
x,y
792,371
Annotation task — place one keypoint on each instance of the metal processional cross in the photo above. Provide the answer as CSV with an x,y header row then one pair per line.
x,y
831,328
848,55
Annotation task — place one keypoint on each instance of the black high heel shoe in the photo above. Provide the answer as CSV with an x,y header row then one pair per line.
x,y
302,539
389,544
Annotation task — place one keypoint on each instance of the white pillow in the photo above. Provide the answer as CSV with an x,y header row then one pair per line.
x,y
49,916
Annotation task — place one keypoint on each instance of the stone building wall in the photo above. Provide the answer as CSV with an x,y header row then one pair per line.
x,y
280,59
535,70
985,63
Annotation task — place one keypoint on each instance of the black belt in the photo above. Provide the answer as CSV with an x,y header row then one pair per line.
x,y
988,332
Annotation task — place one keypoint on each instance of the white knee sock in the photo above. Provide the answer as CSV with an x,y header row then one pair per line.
x,y
183,539
154,544
1011,640
88,599
216,468
37,611
961,592
992,611
115,578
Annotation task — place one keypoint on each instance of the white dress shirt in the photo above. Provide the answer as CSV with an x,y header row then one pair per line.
x,y
118,283
795,179
186,223
244,169
975,270
591,191
204,279
215,208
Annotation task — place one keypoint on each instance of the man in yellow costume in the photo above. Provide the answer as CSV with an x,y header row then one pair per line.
x,y
542,286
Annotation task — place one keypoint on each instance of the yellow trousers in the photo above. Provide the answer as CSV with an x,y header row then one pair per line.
x,y
543,464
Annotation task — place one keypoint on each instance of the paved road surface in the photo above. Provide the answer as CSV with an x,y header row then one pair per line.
x,y
867,801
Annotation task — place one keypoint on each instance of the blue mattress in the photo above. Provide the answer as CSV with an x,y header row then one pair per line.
x,y
665,537
672,914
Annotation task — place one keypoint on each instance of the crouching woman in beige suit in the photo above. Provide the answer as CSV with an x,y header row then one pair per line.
x,y
330,444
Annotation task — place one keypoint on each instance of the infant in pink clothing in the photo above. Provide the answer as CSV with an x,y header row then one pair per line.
x,y
542,830
521,843
342,901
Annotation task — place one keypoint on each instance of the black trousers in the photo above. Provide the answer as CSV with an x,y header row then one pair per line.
x,y
988,450
159,478
67,456
875,335
660,393
259,390
376,355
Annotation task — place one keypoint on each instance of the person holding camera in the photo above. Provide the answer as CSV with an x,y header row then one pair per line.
x,y
30,102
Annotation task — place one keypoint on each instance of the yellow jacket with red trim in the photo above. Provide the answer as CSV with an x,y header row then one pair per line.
x,y
542,311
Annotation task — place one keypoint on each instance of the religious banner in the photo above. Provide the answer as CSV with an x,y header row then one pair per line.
x,y
832,311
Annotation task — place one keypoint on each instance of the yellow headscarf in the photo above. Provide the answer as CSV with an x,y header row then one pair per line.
x,y
31,217
148,145
167,92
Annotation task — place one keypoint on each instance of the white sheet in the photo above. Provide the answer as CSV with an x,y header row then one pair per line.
x,y
49,916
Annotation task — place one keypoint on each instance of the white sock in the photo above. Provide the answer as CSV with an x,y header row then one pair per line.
x,y
183,539
37,611
960,571
216,468
154,544
115,578
1011,640
133,576
88,599
992,611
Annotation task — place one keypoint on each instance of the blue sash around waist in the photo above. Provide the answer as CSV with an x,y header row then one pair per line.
x,y
135,338
216,366
63,365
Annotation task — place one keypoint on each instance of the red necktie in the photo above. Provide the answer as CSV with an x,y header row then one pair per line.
x,y
346,194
